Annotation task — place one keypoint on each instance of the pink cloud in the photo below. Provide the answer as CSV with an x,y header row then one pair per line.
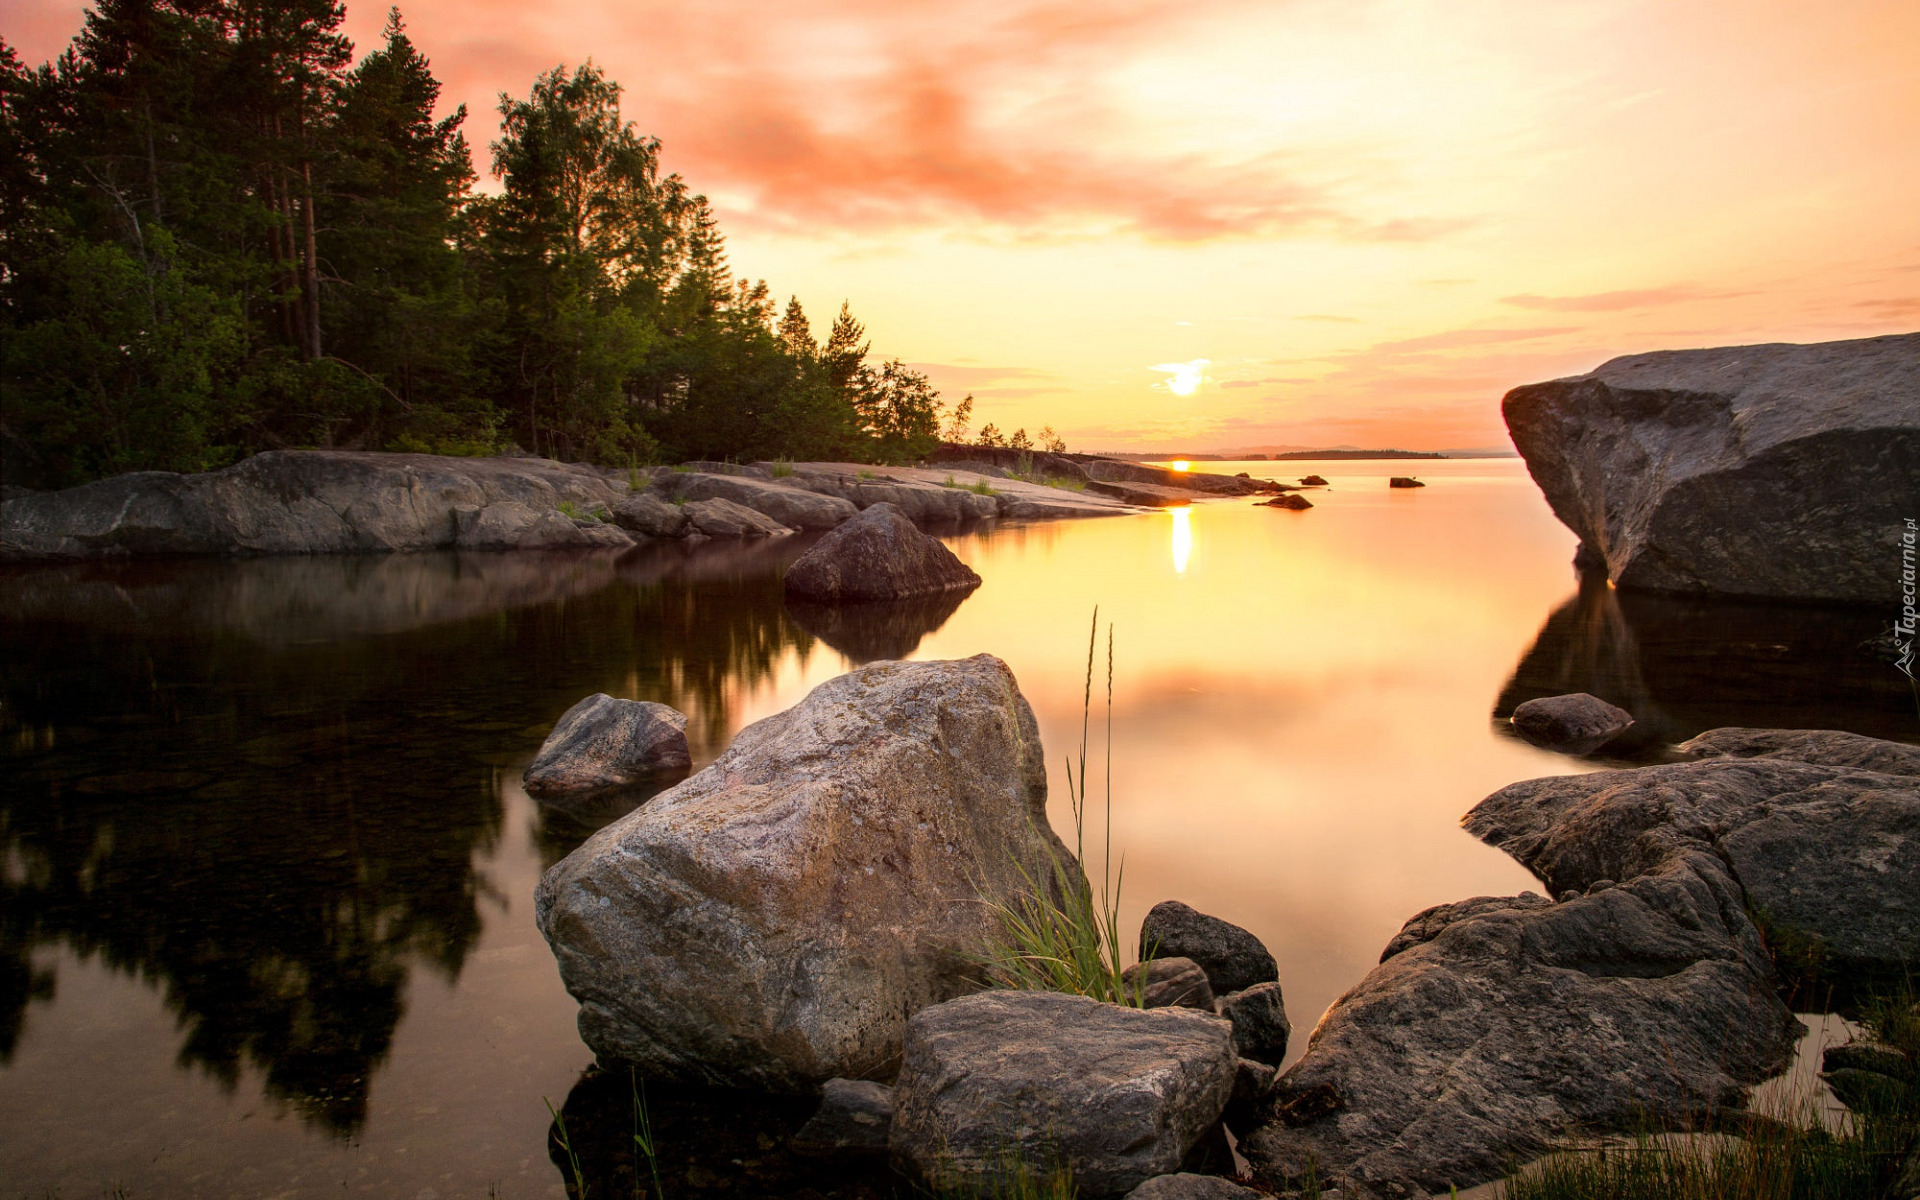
x,y
1679,293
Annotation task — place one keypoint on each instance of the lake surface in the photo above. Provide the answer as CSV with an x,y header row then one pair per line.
x,y
266,868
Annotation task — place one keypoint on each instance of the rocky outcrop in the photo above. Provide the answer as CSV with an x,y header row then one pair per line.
x,y
316,502
1499,1025
790,506
723,518
1115,1095
602,742
878,555
1770,471
1575,724
1232,958
1824,851
1404,481
650,516
1297,503
774,920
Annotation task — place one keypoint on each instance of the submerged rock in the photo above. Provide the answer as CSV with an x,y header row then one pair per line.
x,y
1312,481
1232,958
1116,1095
774,920
878,555
602,742
1295,501
1775,470
1827,854
1576,724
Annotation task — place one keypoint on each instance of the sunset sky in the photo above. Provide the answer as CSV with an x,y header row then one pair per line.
x,y
1368,217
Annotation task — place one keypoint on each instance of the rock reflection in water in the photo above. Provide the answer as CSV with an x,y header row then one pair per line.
x,y
263,786
1683,665
888,629
707,1139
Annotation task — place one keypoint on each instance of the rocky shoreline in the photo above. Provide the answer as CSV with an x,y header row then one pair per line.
x,y
363,502
796,918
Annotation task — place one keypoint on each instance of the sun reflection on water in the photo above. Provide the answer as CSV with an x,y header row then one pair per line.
x,y
1182,539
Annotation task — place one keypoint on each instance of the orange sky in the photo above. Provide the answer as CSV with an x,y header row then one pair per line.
x,y
1370,217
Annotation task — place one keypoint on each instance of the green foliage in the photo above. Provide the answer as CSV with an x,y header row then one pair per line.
x,y
782,468
559,1135
221,234
643,1139
1056,935
982,488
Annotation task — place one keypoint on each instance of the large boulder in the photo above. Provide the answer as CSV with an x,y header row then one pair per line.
x,y
1232,958
650,516
878,555
1825,852
774,920
1776,470
1497,1026
602,742
1047,1081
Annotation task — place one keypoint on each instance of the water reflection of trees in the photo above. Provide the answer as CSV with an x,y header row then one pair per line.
x,y
1682,665
269,788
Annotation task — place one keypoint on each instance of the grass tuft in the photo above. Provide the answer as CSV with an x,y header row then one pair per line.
x,y
981,487
1056,935
782,468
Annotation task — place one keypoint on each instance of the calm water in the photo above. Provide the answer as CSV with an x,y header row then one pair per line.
x,y
266,868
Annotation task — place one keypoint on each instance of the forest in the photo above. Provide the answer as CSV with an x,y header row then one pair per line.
x,y
221,233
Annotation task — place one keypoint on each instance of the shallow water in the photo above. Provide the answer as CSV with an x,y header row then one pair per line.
x,y
266,869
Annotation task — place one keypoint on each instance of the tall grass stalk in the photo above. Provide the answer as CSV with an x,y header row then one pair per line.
x,y
1056,935
643,1135
566,1146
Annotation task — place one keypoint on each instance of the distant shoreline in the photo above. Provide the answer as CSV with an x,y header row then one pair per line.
x,y
1297,456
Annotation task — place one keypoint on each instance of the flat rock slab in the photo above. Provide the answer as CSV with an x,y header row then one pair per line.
x,y
1185,1186
1496,1026
773,921
603,743
1827,853
789,506
1575,724
877,555
722,518
1774,471
1115,1095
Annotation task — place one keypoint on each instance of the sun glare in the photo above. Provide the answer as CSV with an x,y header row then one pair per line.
x,y
1182,539
1181,464
1185,378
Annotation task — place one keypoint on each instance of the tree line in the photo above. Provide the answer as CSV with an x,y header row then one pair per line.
x,y
221,234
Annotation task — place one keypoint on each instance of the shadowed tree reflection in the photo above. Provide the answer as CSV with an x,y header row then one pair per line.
x,y
1683,665
270,787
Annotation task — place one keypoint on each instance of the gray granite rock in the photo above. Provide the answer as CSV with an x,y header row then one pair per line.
x,y
774,920
878,555
1251,1082
1774,470
854,1118
1821,747
722,518
786,505
1171,983
650,516
1116,1095
1185,1186
1232,958
313,502
602,742
1576,724
1830,854
1497,1026
1260,1026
